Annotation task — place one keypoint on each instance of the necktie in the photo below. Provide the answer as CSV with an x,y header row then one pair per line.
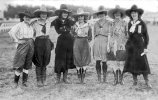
x,y
43,28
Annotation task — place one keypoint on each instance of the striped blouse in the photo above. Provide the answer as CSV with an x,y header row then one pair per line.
x,y
21,31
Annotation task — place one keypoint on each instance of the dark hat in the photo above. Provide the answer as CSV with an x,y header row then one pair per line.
x,y
42,9
134,8
101,10
63,8
115,10
25,13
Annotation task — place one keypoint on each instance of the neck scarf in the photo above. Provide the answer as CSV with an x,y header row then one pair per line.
x,y
132,29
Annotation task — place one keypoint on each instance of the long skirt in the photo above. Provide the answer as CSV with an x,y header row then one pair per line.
x,y
82,53
24,54
64,53
100,48
135,63
42,54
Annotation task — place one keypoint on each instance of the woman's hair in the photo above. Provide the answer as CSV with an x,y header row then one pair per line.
x,y
21,19
116,12
85,18
60,15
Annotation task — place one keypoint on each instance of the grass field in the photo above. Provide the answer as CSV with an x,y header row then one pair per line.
x,y
92,90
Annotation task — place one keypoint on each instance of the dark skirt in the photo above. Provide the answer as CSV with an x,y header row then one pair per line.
x,y
42,54
64,53
135,63
82,53
24,54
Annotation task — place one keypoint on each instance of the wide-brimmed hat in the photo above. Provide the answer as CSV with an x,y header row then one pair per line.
x,y
101,10
63,8
134,8
25,13
42,9
115,10
81,12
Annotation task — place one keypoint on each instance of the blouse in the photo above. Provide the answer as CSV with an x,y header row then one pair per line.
x,y
21,31
102,28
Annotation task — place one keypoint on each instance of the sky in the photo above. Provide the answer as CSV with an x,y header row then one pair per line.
x,y
147,5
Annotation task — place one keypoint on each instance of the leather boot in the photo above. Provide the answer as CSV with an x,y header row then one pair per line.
x,y
25,77
79,75
65,77
38,76
16,80
58,75
98,69
115,78
135,80
121,77
147,80
83,72
104,67
44,76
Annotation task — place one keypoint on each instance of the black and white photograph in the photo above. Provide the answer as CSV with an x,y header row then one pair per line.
x,y
78,50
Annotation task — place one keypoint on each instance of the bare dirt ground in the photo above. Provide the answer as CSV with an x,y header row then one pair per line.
x,y
92,90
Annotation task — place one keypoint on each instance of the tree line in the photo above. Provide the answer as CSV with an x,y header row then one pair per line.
x,y
12,11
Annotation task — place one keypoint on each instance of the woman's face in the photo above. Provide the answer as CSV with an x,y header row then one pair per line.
x,y
117,15
26,19
81,18
43,15
101,16
64,15
134,15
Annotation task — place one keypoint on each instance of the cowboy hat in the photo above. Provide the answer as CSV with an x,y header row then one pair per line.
x,y
80,12
101,10
63,8
134,8
115,10
42,9
25,13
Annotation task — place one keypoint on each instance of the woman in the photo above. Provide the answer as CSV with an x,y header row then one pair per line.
x,y
101,34
136,46
23,34
64,47
118,40
43,44
81,49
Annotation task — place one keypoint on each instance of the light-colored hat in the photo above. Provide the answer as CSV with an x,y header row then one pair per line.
x,y
63,8
134,8
80,12
101,10
42,9
115,10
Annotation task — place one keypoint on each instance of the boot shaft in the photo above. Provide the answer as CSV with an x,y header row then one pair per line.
x,y
25,78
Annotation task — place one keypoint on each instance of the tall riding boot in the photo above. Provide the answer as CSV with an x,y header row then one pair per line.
x,y
58,77
83,73
120,77
147,80
79,74
25,77
135,80
65,77
115,78
104,67
98,69
16,80
44,76
38,76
